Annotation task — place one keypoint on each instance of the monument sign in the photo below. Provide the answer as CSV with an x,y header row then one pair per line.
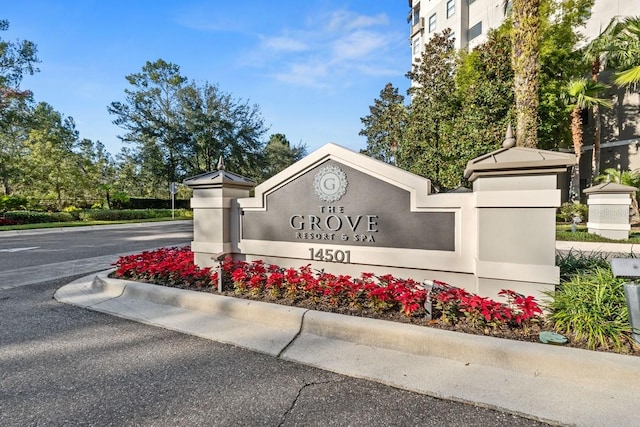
x,y
347,213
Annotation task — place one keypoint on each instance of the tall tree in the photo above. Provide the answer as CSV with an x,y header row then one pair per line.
x,y
97,169
280,154
16,59
151,116
560,62
484,83
384,126
217,124
432,112
596,54
581,94
526,66
51,143
14,132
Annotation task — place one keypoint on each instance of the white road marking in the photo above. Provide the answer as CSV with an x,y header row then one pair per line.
x,y
19,249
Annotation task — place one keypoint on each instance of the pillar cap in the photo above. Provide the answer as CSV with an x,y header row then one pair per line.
x,y
219,178
518,161
610,187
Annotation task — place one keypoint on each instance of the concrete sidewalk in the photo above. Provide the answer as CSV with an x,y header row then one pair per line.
x,y
555,384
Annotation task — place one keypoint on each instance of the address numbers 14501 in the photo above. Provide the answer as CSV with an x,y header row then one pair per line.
x,y
330,255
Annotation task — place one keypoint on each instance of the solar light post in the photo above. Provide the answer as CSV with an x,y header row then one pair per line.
x,y
629,268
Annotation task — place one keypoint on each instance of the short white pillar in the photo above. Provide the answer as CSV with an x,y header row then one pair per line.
x,y
216,228
609,205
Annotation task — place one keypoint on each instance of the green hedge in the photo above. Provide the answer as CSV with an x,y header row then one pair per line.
x,y
32,217
129,214
137,203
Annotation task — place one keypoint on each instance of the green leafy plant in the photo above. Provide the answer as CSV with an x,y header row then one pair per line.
x,y
592,307
575,263
570,210
12,203
118,199
73,211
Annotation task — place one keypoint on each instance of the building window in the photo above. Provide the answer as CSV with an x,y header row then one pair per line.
x,y
416,45
474,31
416,16
432,23
451,8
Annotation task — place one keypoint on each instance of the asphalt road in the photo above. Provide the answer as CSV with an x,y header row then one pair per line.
x,y
37,255
61,365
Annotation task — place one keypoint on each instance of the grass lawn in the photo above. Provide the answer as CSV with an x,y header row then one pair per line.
x,y
563,232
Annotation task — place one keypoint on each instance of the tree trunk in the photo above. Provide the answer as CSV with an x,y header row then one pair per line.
x,y
576,136
597,128
526,67
595,157
7,187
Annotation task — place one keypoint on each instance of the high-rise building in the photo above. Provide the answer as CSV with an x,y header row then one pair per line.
x,y
471,20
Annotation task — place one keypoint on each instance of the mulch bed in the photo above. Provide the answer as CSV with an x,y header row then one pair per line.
x,y
529,334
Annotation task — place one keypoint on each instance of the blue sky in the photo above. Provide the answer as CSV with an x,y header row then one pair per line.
x,y
314,67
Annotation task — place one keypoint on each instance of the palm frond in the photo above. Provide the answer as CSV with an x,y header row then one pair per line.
x,y
628,77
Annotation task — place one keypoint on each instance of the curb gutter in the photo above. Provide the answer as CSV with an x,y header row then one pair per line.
x,y
550,383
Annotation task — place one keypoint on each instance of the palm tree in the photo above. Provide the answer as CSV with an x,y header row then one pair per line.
x,y
596,53
625,51
581,94
525,15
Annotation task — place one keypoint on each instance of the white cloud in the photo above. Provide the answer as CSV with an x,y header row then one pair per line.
x,y
304,74
284,44
332,51
346,20
358,44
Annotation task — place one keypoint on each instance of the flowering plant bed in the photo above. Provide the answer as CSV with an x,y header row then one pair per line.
x,y
385,297
382,297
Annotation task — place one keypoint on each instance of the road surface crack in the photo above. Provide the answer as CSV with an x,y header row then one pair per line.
x,y
295,400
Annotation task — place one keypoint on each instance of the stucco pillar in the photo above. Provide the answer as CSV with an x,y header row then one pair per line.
x,y
609,205
516,197
216,228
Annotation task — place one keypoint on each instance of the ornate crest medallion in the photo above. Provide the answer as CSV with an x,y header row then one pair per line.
x,y
330,183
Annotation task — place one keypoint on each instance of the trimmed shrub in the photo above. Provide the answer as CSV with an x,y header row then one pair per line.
x,y
32,217
137,203
130,214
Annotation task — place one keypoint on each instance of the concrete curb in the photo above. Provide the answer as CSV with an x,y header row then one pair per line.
x,y
550,383
564,363
254,325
